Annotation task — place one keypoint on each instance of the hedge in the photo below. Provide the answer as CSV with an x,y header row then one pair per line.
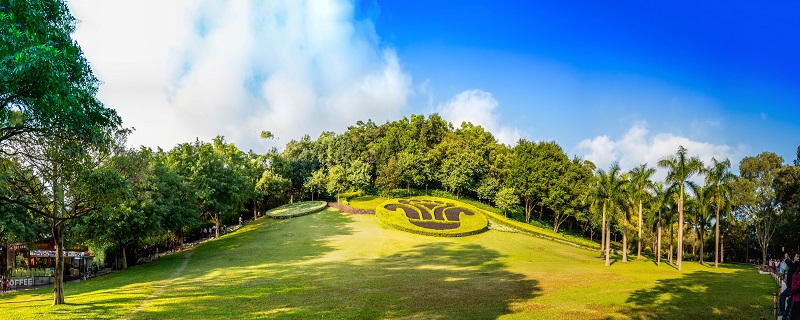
x,y
468,224
296,209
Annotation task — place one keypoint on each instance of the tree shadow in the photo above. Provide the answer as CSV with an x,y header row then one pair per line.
x,y
441,279
704,295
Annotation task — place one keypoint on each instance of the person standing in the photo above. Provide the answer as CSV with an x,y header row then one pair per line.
x,y
786,295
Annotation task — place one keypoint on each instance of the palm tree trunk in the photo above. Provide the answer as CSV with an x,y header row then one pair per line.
x,y
658,257
716,243
680,231
671,241
721,249
639,251
625,239
603,237
608,244
702,242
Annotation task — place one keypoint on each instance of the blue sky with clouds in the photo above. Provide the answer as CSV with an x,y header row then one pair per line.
x,y
625,81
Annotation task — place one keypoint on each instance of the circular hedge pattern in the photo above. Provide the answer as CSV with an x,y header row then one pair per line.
x,y
296,209
432,216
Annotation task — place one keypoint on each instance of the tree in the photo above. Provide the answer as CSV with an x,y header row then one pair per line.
x,y
358,174
568,194
460,172
60,181
216,183
719,179
755,196
639,188
534,168
337,180
389,176
51,123
315,183
506,199
46,85
680,167
661,206
703,197
488,188
609,190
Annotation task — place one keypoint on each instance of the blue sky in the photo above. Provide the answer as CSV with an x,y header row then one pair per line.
x,y
626,81
722,74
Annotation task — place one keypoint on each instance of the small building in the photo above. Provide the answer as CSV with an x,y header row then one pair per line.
x,y
29,267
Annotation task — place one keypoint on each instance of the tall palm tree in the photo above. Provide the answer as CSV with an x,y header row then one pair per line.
x,y
719,179
610,190
701,208
661,206
640,186
679,168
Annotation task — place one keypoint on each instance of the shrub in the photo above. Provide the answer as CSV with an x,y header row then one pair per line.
x,y
432,216
296,209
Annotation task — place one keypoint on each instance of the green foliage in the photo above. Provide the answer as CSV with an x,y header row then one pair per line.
x,y
46,85
488,188
337,181
460,172
506,199
468,224
296,209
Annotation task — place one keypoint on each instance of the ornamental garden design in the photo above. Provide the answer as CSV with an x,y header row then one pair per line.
x,y
432,216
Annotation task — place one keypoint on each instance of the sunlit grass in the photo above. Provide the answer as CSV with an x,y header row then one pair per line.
x,y
366,202
335,265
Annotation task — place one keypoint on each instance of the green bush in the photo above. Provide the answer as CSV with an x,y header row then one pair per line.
x,y
469,225
296,209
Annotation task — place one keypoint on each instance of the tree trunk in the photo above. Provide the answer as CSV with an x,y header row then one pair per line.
x,y
216,223
680,230
124,257
658,257
603,236
625,239
608,244
639,251
58,273
721,249
716,242
528,209
671,241
58,239
291,197
702,242
255,211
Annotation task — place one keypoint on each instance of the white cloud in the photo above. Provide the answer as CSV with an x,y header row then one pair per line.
x,y
480,108
638,146
177,70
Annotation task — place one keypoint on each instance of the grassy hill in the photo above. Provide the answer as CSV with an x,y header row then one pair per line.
x,y
335,265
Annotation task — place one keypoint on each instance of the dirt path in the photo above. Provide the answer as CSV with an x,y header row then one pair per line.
x,y
163,285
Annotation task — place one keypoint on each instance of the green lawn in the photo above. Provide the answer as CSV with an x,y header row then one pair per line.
x,y
335,265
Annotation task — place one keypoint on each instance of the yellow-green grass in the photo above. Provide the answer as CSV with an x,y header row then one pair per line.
x,y
296,209
467,224
366,202
336,265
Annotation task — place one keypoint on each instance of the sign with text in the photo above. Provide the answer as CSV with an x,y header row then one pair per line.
x,y
52,254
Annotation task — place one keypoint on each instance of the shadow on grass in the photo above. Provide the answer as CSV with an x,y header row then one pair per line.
x,y
437,280
705,295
